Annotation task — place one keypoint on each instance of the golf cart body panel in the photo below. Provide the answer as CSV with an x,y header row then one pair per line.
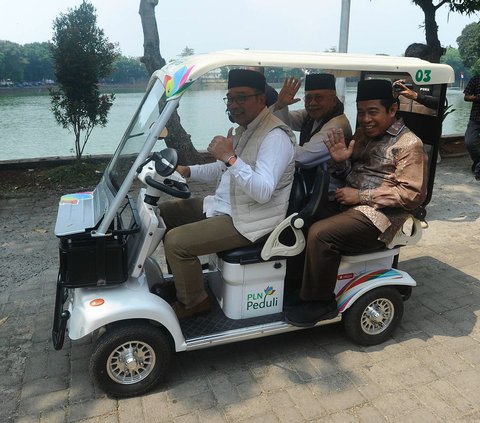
x,y
94,308
365,282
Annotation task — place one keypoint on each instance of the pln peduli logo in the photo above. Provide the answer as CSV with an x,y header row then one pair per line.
x,y
262,299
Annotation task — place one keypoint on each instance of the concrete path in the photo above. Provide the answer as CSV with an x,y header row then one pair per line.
x,y
429,371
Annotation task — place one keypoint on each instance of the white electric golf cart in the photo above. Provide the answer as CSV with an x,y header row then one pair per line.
x,y
107,278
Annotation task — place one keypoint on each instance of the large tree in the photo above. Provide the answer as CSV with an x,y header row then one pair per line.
x,y
469,44
430,8
82,56
39,63
12,61
177,136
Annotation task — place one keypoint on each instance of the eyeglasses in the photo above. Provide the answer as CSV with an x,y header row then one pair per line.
x,y
239,99
317,97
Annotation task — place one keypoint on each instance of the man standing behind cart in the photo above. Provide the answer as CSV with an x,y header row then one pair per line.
x,y
472,134
254,167
384,169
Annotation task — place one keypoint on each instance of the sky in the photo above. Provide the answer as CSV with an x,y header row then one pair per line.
x,y
375,26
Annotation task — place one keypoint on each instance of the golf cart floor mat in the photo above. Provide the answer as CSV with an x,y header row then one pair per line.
x,y
216,322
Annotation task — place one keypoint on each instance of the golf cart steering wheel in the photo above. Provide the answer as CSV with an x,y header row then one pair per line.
x,y
165,164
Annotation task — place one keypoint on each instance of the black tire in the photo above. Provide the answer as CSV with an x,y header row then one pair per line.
x,y
146,347
372,319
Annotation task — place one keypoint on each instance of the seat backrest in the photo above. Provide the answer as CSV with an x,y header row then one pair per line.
x,y
298,194
316,206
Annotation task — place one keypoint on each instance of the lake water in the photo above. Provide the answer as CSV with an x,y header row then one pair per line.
x,y
28,129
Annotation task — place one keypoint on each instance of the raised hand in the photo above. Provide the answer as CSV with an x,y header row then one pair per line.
x,y
222,147
287,94
339,152
406,92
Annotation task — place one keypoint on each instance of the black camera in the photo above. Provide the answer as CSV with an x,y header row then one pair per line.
x,y
398,88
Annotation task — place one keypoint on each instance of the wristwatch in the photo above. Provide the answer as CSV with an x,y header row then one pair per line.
x,y
231,160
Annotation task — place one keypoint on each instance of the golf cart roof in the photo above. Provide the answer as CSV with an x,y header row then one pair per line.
x,y
178,75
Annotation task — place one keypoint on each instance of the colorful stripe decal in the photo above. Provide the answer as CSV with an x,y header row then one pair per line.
x,y
355,285
177,83
75,198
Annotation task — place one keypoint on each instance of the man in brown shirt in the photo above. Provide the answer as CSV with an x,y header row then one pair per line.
x,y
384,169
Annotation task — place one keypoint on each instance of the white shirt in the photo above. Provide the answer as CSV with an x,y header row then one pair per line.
x,y
274,155
315,151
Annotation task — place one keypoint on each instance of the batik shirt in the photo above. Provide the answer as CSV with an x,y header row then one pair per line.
x,y
391,174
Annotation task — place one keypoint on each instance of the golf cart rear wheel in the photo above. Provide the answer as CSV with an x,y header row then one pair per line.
x,y
372,319
130,359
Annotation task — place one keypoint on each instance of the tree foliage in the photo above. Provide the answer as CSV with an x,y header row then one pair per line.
x,y
128,70
187,51
453,58
82,56
39,64
34,63
469,44
12,61
430,8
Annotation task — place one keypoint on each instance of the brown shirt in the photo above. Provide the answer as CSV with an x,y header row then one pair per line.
x,y
391,173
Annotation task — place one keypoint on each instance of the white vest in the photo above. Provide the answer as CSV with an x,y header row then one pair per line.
x,y
252,219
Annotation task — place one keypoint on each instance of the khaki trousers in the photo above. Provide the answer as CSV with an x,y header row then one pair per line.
x,y
348,232
189,235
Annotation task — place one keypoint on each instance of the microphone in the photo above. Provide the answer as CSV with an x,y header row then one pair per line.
x,y
230,118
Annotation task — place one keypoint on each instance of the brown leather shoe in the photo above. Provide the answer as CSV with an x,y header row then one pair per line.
x,y
186,313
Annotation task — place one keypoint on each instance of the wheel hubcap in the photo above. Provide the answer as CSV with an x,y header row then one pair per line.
x,y
131,362
377,316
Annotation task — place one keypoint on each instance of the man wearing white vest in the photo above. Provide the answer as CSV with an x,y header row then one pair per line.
x,y
254,168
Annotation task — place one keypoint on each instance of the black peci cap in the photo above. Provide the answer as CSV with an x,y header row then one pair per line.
x,y
246,78
319,81
374,89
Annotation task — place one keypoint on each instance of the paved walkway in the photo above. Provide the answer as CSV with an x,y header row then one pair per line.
x,y
429,371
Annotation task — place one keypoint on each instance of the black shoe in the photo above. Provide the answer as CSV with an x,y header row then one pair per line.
x,y
477,176
292,299
474,166
166,290
309,313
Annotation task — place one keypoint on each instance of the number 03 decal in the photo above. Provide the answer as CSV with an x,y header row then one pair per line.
x,y
423,75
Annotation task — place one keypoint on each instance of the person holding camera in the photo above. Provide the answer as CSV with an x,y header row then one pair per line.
x,y
472,94
400,87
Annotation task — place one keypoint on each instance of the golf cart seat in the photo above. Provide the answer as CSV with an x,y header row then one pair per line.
x,y
288,238
303,206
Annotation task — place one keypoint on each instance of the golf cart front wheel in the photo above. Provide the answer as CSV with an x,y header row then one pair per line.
x,y
130,359
372,319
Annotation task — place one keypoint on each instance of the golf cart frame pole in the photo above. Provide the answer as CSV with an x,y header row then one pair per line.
x,y
132,174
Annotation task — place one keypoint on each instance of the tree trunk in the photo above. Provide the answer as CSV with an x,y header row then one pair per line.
x,y
152,59
431,29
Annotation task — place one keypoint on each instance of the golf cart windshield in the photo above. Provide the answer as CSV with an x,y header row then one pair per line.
x,y
136,135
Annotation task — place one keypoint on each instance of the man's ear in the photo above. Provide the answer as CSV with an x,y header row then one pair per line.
x,y
393,109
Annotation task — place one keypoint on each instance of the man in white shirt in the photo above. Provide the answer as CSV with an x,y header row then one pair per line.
x,y
323,111
254,167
